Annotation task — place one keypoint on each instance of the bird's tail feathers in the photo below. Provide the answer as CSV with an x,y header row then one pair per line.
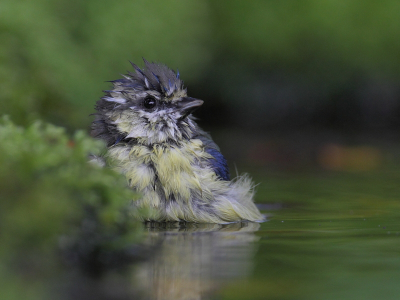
x,y
238,203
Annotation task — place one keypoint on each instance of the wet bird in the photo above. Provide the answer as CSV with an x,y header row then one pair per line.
x,y
153,139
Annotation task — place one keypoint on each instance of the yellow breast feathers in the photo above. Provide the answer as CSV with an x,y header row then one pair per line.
x,y
176,170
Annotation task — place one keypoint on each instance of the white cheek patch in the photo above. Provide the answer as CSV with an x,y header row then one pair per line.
x,y
137,132
154,117
116,100
174,116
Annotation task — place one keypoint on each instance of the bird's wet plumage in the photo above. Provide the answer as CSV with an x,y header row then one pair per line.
x,y
153,139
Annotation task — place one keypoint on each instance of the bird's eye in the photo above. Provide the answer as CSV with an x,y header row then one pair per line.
x,y
149,102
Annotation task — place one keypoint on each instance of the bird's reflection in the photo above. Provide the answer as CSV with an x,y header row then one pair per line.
x,y
194,260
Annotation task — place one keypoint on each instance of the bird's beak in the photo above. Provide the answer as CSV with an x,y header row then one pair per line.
x,y
187,105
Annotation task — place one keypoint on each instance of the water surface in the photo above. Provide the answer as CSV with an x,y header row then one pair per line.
x,y
328,236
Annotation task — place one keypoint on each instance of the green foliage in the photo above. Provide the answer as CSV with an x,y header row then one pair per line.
x,y
52,197
302,34
56,55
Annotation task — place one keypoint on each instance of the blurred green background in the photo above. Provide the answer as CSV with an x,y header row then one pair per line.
x,y
268,70
305,95
275,63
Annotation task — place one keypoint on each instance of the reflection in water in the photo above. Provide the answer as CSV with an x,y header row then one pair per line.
x,y
193,259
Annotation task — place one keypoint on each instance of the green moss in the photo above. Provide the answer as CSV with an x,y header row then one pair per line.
x,y
52,199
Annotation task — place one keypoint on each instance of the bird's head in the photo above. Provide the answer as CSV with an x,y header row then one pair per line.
x,y
148,106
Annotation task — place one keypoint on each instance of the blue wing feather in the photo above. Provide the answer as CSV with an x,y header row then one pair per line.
x,y
218,162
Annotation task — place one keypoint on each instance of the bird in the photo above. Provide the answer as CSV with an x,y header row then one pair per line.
x,y
153,139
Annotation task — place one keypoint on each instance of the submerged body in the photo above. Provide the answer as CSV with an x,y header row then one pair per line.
x,y
152,138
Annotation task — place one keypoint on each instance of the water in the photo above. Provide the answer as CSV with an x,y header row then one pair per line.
x,y
342,259
195,261
328,236
294,259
